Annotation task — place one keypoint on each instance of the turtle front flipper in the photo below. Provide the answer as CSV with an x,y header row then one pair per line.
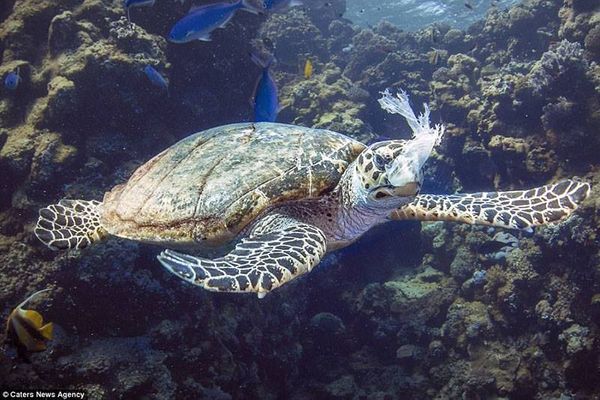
x,y
278,249
521,209
70,224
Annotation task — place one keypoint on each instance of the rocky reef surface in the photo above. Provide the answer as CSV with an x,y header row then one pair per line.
x,y
419,311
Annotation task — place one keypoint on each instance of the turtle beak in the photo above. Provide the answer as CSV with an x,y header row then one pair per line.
x,y
409,189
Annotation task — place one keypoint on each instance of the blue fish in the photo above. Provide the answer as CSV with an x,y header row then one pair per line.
x,y
137,3
156,78
279,5
201,21
12,80
266,105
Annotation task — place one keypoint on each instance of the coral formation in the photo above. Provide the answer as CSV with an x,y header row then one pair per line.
x,y
421,311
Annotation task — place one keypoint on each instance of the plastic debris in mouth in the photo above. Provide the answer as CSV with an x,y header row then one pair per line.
x,y
425,137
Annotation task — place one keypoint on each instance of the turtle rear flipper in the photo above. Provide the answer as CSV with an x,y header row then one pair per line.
x,y
521,209
70,224
278,249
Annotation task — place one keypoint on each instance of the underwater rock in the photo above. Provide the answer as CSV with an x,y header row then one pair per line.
x,y
498,248
327,101
322,14
327,324
342,388
27,25
465,263
557,115
339,44
454,38
560,66
478,167
479,277
368,49
117,358
60,103
17,151
467,322
400,310
408,353
294,37
520,19
577,17
554,309
453,88
565,135
496,367
436,350
592,41
68,34
50,162
435,237
576,338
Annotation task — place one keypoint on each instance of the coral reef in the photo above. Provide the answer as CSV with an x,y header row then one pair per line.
x,y
419,311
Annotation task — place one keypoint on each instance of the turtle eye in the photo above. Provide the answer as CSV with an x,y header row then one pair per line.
x,y
379,162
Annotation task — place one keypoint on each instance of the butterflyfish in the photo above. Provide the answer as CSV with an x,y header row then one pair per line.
x,y
26,328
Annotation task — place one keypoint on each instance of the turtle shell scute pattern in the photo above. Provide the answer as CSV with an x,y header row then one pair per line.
x,y
206,188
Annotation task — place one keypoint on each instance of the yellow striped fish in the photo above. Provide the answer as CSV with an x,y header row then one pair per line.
x,y
26,328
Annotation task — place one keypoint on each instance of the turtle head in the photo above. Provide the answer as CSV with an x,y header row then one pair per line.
x,y
384,171
390,173
392,169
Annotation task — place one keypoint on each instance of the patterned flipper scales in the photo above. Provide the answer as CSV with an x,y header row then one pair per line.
x,y
521,209
278,249
70,224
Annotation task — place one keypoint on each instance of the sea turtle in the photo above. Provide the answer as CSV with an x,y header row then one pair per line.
x,y
286,195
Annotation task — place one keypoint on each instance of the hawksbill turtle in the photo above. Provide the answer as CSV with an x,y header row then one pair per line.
x,y
285,195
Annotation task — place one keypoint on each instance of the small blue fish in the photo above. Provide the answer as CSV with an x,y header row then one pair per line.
x,y
266,105
137,3
12,80
156,78
201,21
280,5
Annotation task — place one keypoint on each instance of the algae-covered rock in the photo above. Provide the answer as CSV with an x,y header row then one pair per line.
x,y
452,87
416,288
467,322
328,101
293,36
58,108
323,14
576,338
67,34
51,159
559,66
327,324
465,263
